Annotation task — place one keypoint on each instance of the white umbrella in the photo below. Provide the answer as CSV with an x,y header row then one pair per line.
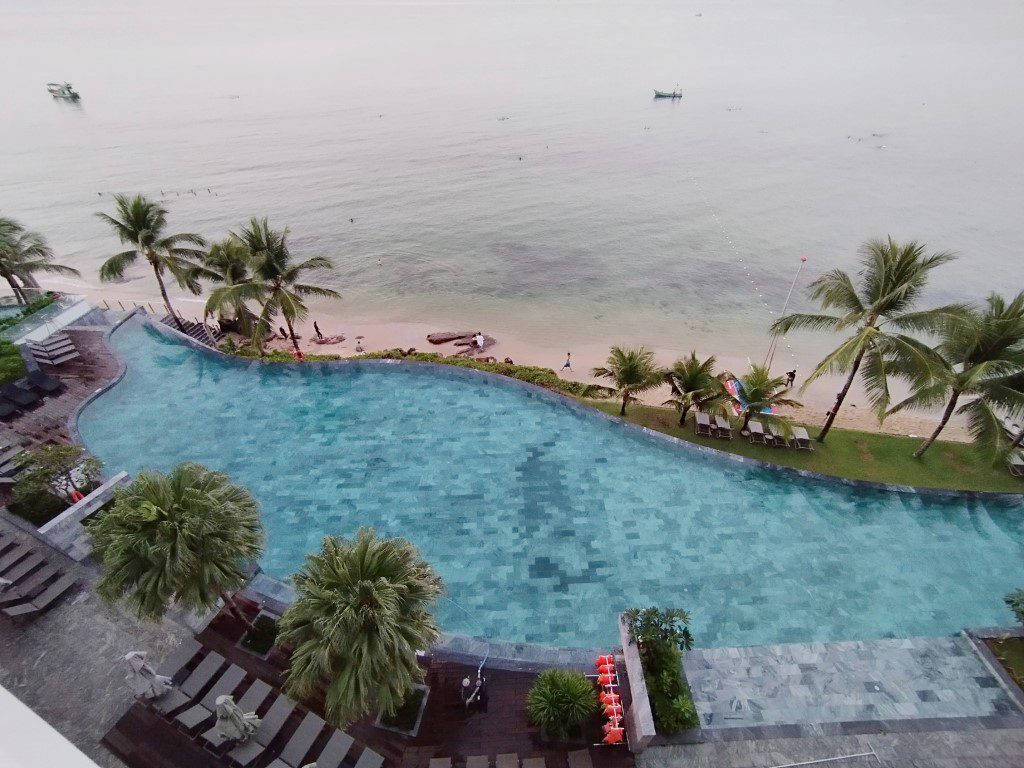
x,y
232,722
143,679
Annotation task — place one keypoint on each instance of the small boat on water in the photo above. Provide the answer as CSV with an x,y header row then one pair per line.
x,y
674,94
62,91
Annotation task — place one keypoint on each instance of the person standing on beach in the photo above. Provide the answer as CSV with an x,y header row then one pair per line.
x,y
316,329
790,377
568,362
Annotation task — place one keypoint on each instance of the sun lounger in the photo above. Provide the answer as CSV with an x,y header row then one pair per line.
x,y
6,542
534,762
801,439
270,726
436,762
29,588
194,683
199,713
251,701
174,664
22,569
54,342
702,424
333,753
478,761
507,760
580,758
20,397
9,454
723,428
370,759
757,434
8,410
776,438
42,601
44,382
300,743
13,556
1016,464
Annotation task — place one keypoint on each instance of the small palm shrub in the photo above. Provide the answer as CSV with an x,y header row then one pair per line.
x,y
671,699
1015,602
561,701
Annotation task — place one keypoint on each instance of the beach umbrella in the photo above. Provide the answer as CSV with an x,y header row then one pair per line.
x,y
232,722
143,679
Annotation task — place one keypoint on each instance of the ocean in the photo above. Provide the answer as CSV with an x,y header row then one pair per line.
x,y
504,165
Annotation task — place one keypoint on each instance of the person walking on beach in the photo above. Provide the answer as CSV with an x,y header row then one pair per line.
x,y
568,362
790,378
316,329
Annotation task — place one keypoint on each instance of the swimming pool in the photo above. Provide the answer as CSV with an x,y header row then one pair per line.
x,y
543,520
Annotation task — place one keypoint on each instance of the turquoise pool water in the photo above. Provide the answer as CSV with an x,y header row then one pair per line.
x,y
545,521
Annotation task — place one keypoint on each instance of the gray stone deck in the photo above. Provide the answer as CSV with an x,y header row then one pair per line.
x,y
919,678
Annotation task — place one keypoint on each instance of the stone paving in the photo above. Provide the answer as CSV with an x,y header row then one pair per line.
x,y
67,664
871,680
942,749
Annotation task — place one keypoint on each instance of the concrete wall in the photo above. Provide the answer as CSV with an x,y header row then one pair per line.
x,y
66,533
639,717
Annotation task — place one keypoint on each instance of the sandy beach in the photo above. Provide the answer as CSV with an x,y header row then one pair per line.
x,y
379,333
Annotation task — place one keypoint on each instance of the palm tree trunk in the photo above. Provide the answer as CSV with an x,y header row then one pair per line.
x,y
841,397
1018,439
747,413
291,335
167,299
942,423
625,399
232,606
682,415
18,293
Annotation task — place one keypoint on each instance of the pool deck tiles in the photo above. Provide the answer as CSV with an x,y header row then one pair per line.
x,y
849,682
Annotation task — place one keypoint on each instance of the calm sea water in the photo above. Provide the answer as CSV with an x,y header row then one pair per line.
x,y
505,163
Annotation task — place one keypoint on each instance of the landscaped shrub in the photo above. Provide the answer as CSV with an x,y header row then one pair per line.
x,y
51,475
661,636
30,309
36,507
12,365
1015,602
560,701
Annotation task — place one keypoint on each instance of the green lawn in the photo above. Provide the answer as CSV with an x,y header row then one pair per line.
x,y
1011,653
849,453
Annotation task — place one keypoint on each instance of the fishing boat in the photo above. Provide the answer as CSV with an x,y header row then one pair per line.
x,y
62,91
674,94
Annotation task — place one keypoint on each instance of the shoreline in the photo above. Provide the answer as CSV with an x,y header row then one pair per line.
x,y
381,333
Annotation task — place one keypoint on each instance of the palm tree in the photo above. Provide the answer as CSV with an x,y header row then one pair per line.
x,y
978,360
228,263
23,253
759,391
275,282
694,384
363,610
889,282
633,371
179,539
142,225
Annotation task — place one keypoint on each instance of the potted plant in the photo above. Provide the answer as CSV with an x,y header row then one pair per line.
x,y
560,701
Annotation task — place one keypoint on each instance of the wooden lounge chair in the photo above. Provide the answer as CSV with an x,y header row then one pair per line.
x,y
29,588
194,683
1016,465
776,438
44,382
723,429
251,701
801,439
20,571
11,558
534,762
199,713
45,599
702,424
8,410
580,758
269,727
757,434
507,760
175,664
333,753
438,762
51,345
370,759
300,743
20,397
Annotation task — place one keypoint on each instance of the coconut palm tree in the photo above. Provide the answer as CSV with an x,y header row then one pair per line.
x,y
229,263
363,610
759,391
22,254
180,539
633,371
142,225
879,308
694,384
275,284
977,364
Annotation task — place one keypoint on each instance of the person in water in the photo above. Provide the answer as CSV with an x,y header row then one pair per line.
x,y
568,361
316,329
